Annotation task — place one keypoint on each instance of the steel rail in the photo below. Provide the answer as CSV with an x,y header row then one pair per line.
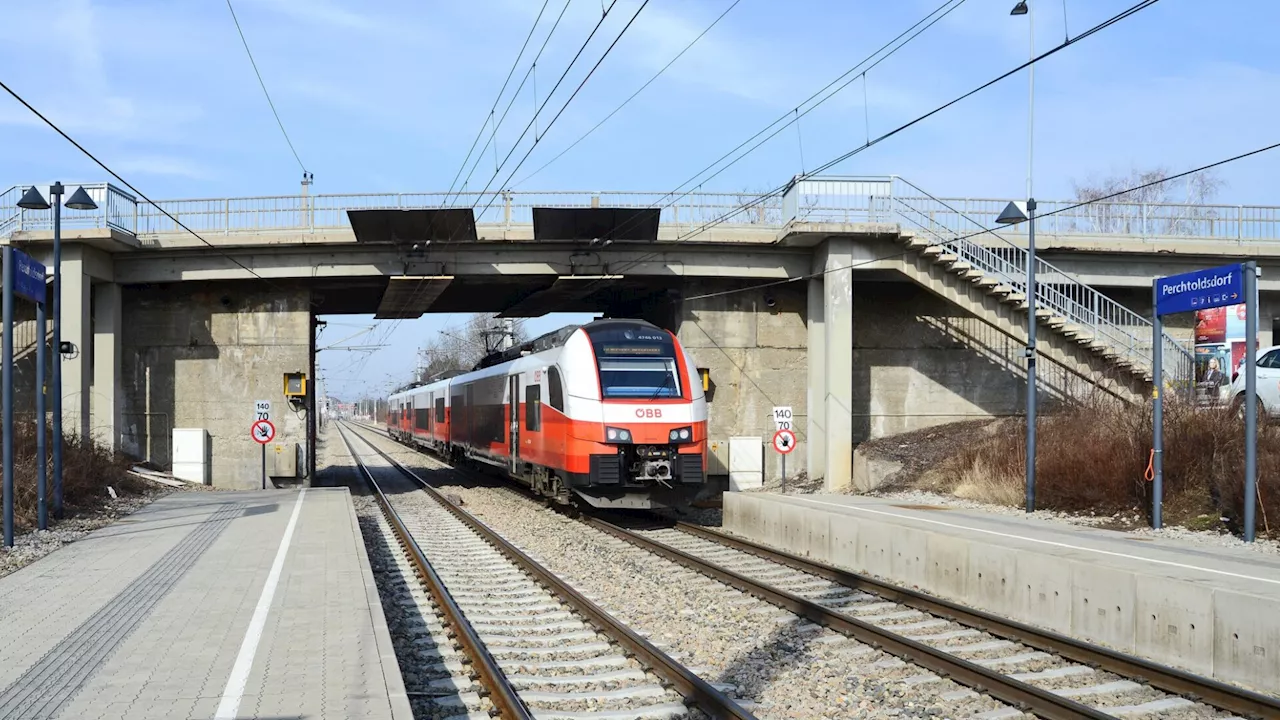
x,y
501,693
1028,698
1162,677
710,700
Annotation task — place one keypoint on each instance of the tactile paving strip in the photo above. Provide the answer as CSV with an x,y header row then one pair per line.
x,y
42,691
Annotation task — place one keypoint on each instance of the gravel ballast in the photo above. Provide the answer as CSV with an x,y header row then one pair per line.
x,y
777,664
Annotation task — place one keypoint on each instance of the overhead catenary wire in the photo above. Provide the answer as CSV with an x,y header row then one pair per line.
x,y
984,230
493,110
633,96
263,84
827,165
789,117
130,185
565,106
550,94
560,112
860,69
1129,12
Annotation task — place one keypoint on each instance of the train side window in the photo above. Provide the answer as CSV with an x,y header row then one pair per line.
x,y
555,392
420,418
533,407
439,409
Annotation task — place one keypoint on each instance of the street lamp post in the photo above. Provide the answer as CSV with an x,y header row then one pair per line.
x,y
79,200
1014,214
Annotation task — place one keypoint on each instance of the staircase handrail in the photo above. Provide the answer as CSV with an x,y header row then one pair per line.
x,y
1110,322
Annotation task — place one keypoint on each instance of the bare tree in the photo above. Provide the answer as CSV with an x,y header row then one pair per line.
x,y
459,349
1155,207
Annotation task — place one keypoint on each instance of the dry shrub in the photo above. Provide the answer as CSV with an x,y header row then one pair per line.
x,y
1094,458
87,470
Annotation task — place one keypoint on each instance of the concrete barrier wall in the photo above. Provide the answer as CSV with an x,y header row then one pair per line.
x,y
1224,634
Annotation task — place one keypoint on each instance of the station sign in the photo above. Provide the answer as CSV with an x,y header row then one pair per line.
x,y
1200,290
28,277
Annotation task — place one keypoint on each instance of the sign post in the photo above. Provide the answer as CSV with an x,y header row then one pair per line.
x,y
25,278
784,441
1202,290
262,433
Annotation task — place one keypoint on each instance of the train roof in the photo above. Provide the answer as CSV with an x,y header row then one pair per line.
x,y
557,338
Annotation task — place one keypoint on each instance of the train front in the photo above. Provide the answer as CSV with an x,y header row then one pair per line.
x,y
645,444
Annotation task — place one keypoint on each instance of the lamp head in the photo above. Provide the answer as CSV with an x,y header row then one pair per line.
x,y
1012,214
1019,9
33,200
80,200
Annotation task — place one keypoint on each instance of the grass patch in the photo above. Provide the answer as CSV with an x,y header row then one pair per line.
x,y
87,470
1094,458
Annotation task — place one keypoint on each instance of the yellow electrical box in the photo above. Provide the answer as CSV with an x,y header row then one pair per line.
x,y
295,384
706,378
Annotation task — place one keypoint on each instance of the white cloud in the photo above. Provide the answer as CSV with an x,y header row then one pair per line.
x,y
163,165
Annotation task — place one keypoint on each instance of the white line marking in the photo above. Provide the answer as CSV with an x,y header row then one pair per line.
x,y
239,677
1043,542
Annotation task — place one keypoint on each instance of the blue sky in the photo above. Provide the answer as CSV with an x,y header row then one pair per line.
x,y
388,97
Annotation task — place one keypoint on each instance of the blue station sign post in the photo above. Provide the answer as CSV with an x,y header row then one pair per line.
x,y
23,277
1202,290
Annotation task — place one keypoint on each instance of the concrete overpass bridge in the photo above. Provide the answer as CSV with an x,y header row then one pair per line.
x,y
867,304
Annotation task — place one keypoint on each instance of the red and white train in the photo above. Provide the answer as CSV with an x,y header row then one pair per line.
x,y
611,412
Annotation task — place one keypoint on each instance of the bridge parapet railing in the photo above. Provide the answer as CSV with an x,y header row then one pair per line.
x,y
117,210
318,212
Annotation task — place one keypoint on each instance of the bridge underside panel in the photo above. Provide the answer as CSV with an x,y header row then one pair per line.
x,y
409,297
413,226
574,291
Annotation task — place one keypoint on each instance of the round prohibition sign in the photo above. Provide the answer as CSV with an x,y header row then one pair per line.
x,y
784,441
263,432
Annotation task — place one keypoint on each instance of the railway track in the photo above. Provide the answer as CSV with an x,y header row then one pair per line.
x,y
537,647
1031,670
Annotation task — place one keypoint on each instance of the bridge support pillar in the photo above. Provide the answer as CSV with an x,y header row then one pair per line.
x,y
830,396
76,325
106,398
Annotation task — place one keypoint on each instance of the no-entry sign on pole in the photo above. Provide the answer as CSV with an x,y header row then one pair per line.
x,y
262,433
784,441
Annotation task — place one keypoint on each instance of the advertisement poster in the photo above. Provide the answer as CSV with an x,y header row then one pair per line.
x,y
1212,379
1219,352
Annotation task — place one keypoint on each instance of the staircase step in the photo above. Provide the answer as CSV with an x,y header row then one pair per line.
x,y
947,259
1000,289
1017,297
912,242
960,267
931,251
985,281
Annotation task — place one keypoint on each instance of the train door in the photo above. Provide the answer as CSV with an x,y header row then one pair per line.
x,y
513,449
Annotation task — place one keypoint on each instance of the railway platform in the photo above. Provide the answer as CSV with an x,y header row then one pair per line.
x,y
254,604
1213,610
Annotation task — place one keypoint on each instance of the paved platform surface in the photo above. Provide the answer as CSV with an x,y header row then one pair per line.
x,y
1211,609
204,605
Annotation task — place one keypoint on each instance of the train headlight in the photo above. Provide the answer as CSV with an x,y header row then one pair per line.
x,y
679,435
617,434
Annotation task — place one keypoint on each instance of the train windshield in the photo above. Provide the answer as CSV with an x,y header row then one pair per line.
x,y
639,378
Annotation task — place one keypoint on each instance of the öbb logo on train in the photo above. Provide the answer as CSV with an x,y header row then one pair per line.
x,y
648,412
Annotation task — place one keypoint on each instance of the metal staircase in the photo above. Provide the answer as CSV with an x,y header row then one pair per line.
x,y
998,268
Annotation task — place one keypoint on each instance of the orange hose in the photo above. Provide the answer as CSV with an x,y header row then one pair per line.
x,y
1150,475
